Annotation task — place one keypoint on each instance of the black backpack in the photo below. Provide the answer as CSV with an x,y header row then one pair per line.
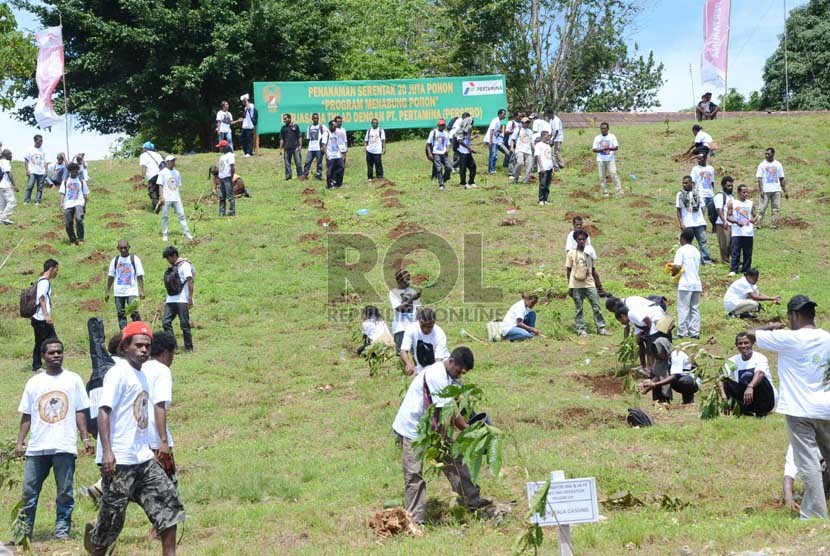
x,y
172,283
711,211
638,418
29,301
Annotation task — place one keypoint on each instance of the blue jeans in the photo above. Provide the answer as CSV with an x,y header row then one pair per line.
x,y
700,236
34,473
38,179
494,156
227,136
517,334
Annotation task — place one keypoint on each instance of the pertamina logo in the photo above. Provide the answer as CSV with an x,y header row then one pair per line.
x,y
478,88
272,96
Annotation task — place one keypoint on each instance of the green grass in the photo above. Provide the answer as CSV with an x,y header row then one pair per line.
x,y
285,441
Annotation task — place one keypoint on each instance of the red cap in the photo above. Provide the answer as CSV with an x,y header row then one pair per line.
x,y
223,143
442,121
135,328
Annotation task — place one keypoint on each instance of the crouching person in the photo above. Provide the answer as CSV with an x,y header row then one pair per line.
x,y
520,322
423,392
749,384
673,370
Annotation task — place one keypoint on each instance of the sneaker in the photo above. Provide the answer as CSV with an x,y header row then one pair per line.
x,y
510,179
442,188
247,155
6,221
606,194
542,203
582,334
731,274
62,536
37,203
708,261
164,237
603,332
473,186
466,186
189,236
79,242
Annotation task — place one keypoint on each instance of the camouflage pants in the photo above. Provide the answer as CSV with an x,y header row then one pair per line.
x,y
145,484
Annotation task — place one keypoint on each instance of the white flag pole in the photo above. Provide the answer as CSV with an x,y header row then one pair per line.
x,y
786,69
726,64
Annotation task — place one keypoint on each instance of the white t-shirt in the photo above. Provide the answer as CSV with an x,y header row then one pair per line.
x,y
150,163
247,118
127,393
494,128
412,408
689,258
523,138
75,191
5,166
539,125
52,402
770,174
171,183
738,291
703,138
637,302
36,161
374,329
185,270
570,244
606,142
556,125
690,219
742,212
44,290
464,144
803,356
224,118
126,277
225,162
332,147
756,362
402,319
413,338
680,363
543,152
517,311
314,133
638,314
722,203
160,381
790,470
373,140
440,141
342,139
704,178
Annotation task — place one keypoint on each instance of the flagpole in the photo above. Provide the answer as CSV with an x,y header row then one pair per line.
x,y
65,97
726,65
786,69
692,80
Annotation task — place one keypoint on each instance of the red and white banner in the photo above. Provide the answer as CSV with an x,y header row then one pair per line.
x,y
715,55
49,73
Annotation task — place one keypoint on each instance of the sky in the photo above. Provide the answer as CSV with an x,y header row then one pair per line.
x,y
673,29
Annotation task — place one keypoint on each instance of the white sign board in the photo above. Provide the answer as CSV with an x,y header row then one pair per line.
x,y
569,501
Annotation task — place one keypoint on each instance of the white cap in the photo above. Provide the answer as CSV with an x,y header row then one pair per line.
x,y
169,157
244,97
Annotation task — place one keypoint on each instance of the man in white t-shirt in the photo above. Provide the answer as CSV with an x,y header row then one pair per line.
x,y
227,168
643,315
405,301
437,147
7,198
750,383
557,130
128,468
150,163
803,360
170,182
127,273
423,392
606,145
702,143
703,174
690,209
722,227
52,414
42,323
771,184
522,141
742,298
160,381
687,264
315,134
342,139
74,197
491,138
741,214
424,343
179,304
520,321
249,121
35,160
544,162
335,161
375,146
224,120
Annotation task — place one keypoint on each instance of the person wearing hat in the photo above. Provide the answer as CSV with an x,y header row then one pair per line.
x,y
170,184
405,301
249,121
522,142
803,361
151,164
491,138
128,467
706,109
438,145
227,168
224,120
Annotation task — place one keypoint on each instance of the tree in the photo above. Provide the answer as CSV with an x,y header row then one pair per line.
x,y
161,69
18,56
808,34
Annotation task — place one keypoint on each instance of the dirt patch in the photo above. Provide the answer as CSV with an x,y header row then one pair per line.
x,y
314,202
737,137
10,310
419,279
318,251
393,521
616,252
79,286
48,249
658,218
569,216
605,385
795,160
385,183
309,191
51,235
502,200
305,238
390,193
688,158
4,289
637,285
578,194
92,305
581,417
112,215
27,272
793,222
639,203
592,230
97,257
522,261
807,193
327,223
512,222
346,299
823,200
115,225
392,202
631,265
404,228
137,182
588,166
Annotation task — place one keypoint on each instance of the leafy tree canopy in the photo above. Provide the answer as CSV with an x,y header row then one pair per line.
x,y
17,59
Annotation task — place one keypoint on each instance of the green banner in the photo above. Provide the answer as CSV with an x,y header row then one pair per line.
x,y
397,103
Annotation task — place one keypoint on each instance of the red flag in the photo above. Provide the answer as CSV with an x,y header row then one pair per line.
x,y
49,73
714,58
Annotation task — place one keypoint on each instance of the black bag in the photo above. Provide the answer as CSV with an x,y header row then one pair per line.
x,y
101,359
172,283
29,301
638,418
424,353
711,211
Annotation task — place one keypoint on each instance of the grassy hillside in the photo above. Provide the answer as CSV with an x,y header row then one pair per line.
x,y
285,440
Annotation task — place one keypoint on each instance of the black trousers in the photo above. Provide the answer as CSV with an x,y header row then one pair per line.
x,y
121,310
43,330
763,399
334,172
741,249
544,184
374,164
246,137
173,310
468,164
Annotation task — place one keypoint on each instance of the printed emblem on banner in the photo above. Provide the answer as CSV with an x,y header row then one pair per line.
x,y
53,406
272,96
478,88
